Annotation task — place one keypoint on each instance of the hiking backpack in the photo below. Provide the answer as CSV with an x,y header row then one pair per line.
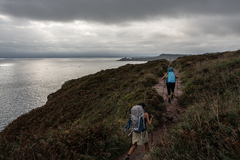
x,y
137,120
170,76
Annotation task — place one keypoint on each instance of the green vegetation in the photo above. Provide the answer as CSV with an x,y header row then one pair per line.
x,y
85,119
211,126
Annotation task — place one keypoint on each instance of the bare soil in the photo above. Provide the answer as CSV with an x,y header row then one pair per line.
x,y
173,114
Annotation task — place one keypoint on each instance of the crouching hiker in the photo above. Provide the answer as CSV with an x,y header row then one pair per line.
x,y
139,132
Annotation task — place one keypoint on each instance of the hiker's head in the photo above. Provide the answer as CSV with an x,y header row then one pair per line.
x,y
142,104
170,69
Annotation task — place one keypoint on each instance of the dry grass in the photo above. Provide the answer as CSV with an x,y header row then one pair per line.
x,y
211,126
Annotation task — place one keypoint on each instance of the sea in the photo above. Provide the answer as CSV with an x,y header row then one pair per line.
x,y
25,83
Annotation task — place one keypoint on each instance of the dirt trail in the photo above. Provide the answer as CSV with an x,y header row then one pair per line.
x,y
171,117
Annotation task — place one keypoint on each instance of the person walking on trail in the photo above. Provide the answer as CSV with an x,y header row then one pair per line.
x,y
170,81
140,138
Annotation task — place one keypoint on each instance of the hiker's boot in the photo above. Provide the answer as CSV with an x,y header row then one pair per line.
x,y
169,100
172,96
126,158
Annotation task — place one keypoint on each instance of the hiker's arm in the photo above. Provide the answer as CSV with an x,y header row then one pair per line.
x,y
176,76
164,76
149,121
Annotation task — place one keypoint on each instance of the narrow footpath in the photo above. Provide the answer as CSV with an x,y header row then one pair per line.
x,y
173,114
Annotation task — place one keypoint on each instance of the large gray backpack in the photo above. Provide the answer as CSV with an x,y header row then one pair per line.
x,y
137,119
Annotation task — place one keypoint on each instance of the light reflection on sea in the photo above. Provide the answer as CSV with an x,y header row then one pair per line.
x,y
26,83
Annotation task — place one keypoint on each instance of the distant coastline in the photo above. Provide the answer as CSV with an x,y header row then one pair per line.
x,y
169,57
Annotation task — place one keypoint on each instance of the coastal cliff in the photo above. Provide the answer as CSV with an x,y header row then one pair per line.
x,y
85,119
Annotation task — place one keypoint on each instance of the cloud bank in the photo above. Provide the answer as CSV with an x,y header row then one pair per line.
x,y
115,11
118,27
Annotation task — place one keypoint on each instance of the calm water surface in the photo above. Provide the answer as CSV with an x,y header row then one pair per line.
x,y
26,83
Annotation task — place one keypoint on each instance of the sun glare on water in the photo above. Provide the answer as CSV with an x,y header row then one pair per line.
x,y
6,65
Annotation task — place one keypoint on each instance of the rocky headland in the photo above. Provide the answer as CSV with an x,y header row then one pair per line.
x,y
169,57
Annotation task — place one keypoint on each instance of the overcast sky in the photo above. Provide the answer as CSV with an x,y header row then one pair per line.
x,y
117,27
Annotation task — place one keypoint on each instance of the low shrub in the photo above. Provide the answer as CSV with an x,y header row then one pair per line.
x,y
210,128
85,119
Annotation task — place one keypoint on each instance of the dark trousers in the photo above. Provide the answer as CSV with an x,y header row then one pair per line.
x,y
170,88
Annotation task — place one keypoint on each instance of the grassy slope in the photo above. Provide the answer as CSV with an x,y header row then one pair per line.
x,y
210,128
85,119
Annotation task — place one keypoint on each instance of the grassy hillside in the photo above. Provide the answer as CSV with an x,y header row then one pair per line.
x,y
85,119
211,126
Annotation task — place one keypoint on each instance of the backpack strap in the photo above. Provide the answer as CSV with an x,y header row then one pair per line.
x,y
128,125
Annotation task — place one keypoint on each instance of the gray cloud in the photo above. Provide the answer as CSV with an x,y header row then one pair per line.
x,y
114,27
115,11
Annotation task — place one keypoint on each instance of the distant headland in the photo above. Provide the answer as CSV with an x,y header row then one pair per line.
x,y
169,57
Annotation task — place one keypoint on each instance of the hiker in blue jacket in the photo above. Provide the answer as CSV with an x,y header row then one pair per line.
x,y
170,81
140,138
